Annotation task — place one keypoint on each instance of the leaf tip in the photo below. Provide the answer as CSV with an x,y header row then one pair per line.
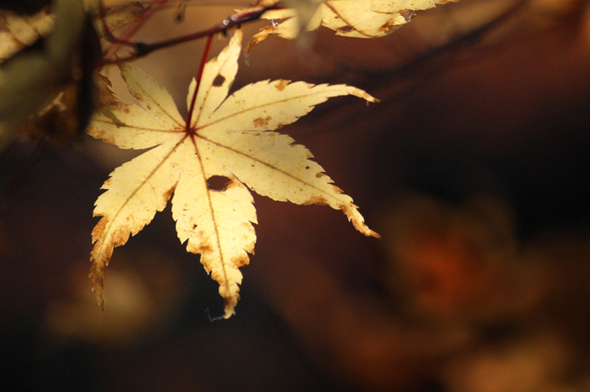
x,y
97,278
231,301
229,311
357,220
366,96
263,34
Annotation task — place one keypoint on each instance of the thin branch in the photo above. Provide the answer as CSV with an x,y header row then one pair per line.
x,y
143,49
150,9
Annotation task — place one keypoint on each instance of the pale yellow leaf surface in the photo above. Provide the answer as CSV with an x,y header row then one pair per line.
x,y
349,18
228,136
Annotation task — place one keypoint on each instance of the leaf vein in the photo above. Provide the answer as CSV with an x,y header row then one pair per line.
x,y
287,174
139,128
213,218
254,108
136,190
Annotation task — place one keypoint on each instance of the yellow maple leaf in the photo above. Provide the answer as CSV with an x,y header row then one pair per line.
x,y
349,18
227,136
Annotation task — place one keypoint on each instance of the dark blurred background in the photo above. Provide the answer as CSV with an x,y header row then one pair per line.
x,y
473,168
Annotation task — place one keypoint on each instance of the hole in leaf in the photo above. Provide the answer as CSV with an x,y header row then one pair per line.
x,y
218,81
345,29
218,183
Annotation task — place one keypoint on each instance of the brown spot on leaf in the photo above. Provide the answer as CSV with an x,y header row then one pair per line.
x,y
317,200
241,260
97,134
202,249
281,84
218,81
336,189
98,231
120,237
217,276
168,193
262,122
320,175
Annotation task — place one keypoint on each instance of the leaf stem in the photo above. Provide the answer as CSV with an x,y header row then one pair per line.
x,y
191,108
